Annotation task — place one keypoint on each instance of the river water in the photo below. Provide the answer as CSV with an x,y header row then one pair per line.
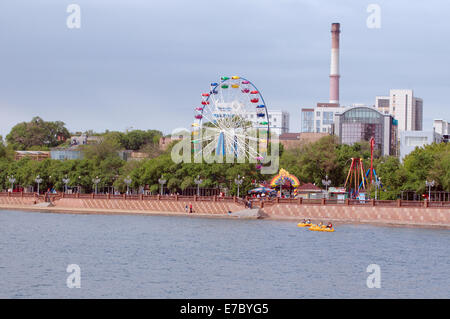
x,y
183,257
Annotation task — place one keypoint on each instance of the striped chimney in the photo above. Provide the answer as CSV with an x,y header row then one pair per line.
x,y
334,68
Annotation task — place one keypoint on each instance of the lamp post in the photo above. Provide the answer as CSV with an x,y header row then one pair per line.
x,y
79,186
429,185
127,181
65,181
96,180
239,180
326,182
12,180
377,185
38,180
198,181
162,181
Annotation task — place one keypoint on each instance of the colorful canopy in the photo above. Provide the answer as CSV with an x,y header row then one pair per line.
x,y
283,177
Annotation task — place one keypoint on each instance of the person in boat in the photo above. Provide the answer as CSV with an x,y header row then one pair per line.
x,y
304,221
329,225
308,221
320,224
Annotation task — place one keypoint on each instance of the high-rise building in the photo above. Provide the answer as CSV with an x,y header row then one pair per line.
x,y
382,104
404,107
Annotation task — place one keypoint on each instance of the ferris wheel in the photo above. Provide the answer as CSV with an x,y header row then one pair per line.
x,y
232,111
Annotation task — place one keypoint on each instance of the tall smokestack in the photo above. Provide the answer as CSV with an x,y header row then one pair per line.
x,y
334,69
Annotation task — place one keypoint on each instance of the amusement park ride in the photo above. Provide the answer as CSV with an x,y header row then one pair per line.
x,y
358,182
224,112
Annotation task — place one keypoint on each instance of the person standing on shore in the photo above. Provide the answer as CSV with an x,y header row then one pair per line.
x,y
190,208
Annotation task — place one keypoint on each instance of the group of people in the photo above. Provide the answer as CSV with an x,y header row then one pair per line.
x,y
308,221
188,209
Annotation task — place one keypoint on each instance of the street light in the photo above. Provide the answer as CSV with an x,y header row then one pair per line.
x,y
127,181
162,181
38,180
239,180
429,185
96,180
12,180
198,181
377,185
65,181
79,186
326,182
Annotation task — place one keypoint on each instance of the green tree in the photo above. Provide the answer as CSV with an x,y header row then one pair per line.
x,y
37,133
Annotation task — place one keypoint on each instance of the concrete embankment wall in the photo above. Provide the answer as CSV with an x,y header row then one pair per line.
x,y
394,215
419,216
207,207
17,201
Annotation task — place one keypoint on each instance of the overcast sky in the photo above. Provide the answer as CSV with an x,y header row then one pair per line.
x,y
144,64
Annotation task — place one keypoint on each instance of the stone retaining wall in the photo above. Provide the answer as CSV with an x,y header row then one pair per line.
x,y
150,205
396,215
17,201
421,216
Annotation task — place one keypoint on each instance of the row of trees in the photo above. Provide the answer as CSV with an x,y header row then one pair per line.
x,y
326,157
310,163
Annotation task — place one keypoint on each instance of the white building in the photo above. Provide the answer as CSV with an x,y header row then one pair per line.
x,y
278,120
409,140
404,107
441,127
320,118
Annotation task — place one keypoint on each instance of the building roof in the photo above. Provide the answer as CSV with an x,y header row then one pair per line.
x,y
309,187
327,104
33,152
289,136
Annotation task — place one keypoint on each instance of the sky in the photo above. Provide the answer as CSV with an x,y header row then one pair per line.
x,y
136,64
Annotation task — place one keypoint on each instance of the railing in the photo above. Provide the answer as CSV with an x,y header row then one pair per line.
x,y
260,202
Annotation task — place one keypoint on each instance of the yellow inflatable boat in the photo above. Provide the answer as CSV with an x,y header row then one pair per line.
x,y
304,225
321,228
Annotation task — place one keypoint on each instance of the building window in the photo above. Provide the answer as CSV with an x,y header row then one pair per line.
x,y
327,118
416,140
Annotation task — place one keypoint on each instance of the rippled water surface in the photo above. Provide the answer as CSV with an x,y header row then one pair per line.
x,y
182,257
